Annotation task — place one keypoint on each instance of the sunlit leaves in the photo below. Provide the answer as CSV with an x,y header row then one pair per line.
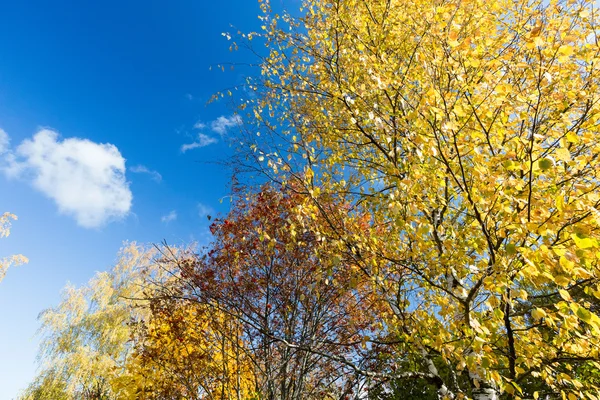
x,y
14,260
86,338
186,350
302,313
464,138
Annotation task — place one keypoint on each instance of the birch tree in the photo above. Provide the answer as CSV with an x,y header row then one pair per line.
x,y
466,133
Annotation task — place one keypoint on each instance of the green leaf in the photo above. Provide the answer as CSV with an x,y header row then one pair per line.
x,y
545,164
584,314
511,249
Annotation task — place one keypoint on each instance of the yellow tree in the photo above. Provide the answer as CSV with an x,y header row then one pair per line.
x,y
85,344
17,259
466,132
118,338
186,350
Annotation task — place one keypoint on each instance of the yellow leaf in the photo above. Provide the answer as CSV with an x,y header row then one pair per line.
x,y
563,154
509,388
583,243
560,202
562,280
566,264
565,50
565,295
538,314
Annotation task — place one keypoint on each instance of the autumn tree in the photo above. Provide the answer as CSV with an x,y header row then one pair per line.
x,y
190,352
86,338
303,319
466,134
119,337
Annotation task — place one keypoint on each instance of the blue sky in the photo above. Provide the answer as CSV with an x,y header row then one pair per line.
x,y
110,139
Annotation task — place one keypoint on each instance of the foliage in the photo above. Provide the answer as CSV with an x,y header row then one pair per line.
x,y
13,260
301,324
86,337
190,352
466,134
118,337
47,385
431,230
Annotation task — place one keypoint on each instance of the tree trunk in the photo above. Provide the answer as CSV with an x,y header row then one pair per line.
x,y
485,393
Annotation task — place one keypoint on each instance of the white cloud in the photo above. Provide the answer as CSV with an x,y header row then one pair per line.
x,y
222,124
189,96
4,141
86,180
142,169
203,141
172,216
204,211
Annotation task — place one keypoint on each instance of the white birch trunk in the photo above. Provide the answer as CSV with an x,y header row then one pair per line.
x,y
485,394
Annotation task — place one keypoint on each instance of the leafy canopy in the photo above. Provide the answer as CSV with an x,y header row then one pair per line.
x,y
466,133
